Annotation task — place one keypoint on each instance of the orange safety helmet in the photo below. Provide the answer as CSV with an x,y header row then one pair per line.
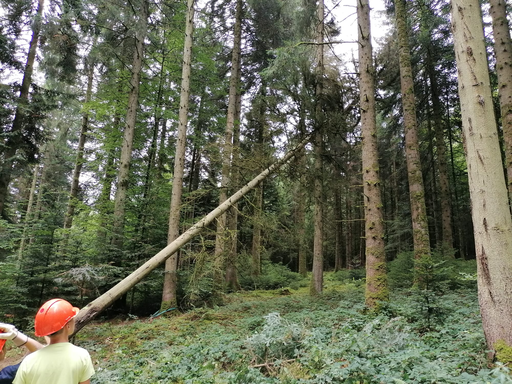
x,y
53,316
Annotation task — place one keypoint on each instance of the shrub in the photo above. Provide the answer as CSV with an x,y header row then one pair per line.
x,y
349,275
273,276
401,270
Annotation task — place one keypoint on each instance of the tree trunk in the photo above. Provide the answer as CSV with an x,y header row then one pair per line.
x,y
15,137
151,164
129,131
442,157
104,203
92,309
488,191
318,256
376,279
227,148
301,202
503,51
68,219
416,189
28,215
339,258
169,291
258,193
256,232
349,241
232,255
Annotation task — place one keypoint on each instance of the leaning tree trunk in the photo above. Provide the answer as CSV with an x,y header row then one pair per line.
x,y
169,291
317,278
489,199
227,149
376,279
15,137
92,309
129,131
503,51
412,152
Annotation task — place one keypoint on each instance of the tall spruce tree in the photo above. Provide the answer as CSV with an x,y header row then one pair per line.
x,y
376,279
169,293
489,199
21,125
412,153
318,252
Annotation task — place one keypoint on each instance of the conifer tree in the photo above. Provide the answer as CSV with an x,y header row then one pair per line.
x,y
227,146
129,130
489,200
20,124
415,177
376,279
169,293
318,253
503,51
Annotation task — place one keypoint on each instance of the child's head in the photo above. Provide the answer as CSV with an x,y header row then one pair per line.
x,y
54,317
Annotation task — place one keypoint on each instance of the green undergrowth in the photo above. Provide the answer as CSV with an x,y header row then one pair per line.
x,y
285,336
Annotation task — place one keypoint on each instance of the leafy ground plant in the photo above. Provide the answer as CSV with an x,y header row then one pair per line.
x,y
268,337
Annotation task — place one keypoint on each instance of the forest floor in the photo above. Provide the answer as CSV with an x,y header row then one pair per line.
x,y
287,336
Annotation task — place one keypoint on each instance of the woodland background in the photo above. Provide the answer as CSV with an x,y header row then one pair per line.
x,y
93,97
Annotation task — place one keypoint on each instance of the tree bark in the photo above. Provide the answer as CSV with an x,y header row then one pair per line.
x,y
489,198
258,193
256,232
349,241
416,188
227,147
68,219
503,51
15,137
129,131
318,256
169,291
104,203
28,214
92,309
232,282
301,202
143,213
376,279
440,145
339,258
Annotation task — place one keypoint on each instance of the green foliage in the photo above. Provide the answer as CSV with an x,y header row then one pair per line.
x,y
273,276
436,276
443,273
297,339
400,273
503,352
345,276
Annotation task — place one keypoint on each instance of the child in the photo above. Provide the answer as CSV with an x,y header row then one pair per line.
x,y
9,332
60,362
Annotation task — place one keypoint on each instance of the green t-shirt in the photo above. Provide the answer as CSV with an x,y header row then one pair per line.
x,y
61,363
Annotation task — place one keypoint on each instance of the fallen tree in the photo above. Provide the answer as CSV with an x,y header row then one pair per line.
x,y
91,310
